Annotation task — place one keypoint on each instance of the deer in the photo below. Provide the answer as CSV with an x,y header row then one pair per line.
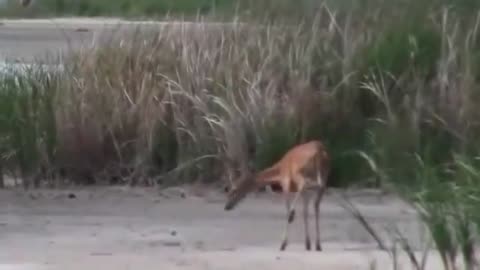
x,y
303,168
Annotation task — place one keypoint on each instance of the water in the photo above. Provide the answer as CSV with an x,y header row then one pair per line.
x,y
13,67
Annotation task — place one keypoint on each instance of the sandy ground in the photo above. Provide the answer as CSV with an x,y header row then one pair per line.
x,y
30,39
120,228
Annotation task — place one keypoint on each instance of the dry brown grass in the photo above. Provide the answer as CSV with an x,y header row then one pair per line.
x,y
202,101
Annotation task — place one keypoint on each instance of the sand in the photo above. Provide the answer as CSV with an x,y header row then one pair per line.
x,y
122,228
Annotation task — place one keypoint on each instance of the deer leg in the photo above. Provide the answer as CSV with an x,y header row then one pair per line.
x,y
318,199
306,200
285,232
291,205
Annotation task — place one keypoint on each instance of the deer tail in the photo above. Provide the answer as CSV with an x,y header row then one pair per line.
x,y
239,193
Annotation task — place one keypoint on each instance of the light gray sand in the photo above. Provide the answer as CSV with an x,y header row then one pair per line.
x,y
117,228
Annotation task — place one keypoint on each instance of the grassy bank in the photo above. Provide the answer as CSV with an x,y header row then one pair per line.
x,y
205,103
281,10
153,8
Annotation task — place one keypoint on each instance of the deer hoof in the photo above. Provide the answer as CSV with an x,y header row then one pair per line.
x,y
283,246
291,216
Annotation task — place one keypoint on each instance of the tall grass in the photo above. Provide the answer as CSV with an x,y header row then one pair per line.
x,y
203,102
28,127
422,142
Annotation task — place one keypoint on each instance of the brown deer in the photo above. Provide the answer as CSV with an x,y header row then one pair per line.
x,y
303,168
